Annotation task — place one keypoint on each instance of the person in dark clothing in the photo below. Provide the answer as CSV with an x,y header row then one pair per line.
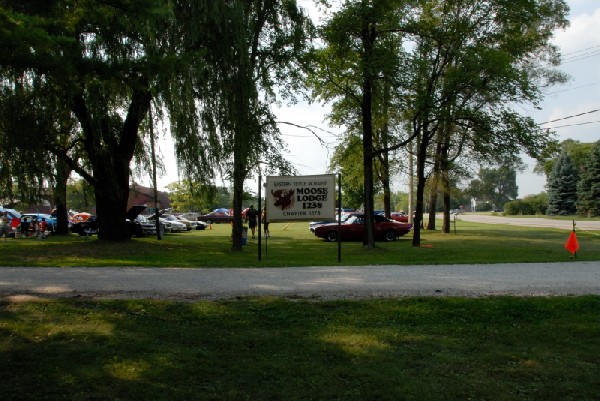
x,y
252,217
25,228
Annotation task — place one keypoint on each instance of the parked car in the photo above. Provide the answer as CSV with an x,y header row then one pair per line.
x,y
190,226
51,221
401,217
353,229
176,225
216,217
314,224
91,225
199,225
149,227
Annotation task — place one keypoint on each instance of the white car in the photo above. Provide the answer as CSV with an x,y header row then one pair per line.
x,y
176,225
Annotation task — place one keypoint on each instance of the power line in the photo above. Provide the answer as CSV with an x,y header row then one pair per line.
x,y
582,54
574,125
573,88
582,50
568,117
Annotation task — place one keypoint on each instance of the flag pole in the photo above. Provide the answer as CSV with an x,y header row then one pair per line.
x,y
574,254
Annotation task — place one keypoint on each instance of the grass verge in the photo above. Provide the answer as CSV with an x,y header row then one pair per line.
x,y
294,245
501,348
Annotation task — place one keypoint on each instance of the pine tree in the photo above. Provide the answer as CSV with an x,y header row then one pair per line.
x,y
562,187
588,188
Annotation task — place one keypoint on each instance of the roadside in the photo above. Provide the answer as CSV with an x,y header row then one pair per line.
x,y
520,279
530,222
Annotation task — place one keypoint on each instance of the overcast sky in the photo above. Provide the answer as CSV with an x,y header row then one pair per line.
x,y
580,46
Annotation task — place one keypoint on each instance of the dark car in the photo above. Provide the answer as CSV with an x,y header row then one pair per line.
x,y
216,217
354,229
312,226
91,226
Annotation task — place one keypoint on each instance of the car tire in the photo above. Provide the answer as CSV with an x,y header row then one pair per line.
x,y
390,235
331,236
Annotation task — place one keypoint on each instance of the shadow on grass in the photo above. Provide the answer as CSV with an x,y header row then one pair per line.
x,y
413,349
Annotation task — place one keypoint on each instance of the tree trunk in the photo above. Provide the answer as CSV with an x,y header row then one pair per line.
x,y
110,151
421,181
60,197
239,176
368,38
432,205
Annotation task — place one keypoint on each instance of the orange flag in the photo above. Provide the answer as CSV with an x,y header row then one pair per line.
x,y
572,245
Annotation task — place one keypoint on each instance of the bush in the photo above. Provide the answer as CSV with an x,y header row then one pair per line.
x,y
530,205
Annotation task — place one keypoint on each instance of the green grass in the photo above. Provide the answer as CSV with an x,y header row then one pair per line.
x,y
497,348
273,349
294,245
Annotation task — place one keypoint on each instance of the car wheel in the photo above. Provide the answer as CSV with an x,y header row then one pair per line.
x,y
331,236
390,235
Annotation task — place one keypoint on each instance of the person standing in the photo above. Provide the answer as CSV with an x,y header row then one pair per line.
x,y
252,217
265,222
4,225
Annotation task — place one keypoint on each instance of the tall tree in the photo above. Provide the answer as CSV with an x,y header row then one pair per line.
x,y
562,187
266,41
495,185
588,188
578,151
101,57
473,60
357,55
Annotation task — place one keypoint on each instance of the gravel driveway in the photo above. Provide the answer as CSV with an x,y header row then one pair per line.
x,y
534,279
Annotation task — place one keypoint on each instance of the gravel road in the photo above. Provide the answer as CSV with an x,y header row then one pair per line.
x,y
534,279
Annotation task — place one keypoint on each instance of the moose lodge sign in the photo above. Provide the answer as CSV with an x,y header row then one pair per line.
x,y
306,197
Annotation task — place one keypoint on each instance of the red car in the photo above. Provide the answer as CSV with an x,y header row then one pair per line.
x,y
401,217
354,229
216,217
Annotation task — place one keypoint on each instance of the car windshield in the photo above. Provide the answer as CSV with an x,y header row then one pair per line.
x,y
354,220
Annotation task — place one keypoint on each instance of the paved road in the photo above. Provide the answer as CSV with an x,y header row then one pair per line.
x,y
568,278
530,222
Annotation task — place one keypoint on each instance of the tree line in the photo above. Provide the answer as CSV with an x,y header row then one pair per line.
x,y
84,84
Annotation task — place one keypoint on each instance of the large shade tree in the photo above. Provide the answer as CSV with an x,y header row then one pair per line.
x,y
102,59
472,62
358,71
225,123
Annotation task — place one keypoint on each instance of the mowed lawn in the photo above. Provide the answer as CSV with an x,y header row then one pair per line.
x,y
498,348
294,245
439,348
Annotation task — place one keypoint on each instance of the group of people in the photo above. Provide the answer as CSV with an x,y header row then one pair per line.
x,y
252,216
27,228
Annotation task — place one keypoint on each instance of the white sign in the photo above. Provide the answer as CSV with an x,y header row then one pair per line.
x,y
307,197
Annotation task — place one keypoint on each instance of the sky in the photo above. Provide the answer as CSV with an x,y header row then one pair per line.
x,y
572,110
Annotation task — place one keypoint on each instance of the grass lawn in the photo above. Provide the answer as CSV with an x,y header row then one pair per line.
x,y
294,245
498,349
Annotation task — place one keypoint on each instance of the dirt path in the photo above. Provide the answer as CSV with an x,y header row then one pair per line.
x,y
534,279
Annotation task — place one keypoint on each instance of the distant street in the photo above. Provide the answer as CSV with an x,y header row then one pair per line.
x,y
530,222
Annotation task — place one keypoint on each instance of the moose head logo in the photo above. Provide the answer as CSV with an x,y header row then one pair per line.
x,y
283,198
